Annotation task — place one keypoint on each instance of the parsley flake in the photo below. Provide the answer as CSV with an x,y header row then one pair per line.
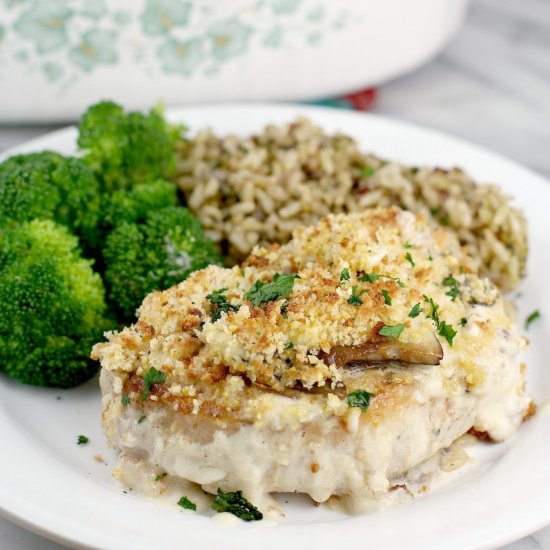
x,y
447,331
289,345
82,440
415,311
161,476
367,171
453,284
236,504
434,309
344,275
284,308
280,287
393,331
409,258
408,245
125,399
355,298
387,297
360,399
463,321
184,502
150,378
142,418
373,277
219,304
369,277
532,317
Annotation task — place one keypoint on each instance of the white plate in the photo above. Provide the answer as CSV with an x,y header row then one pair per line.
x,y
56,488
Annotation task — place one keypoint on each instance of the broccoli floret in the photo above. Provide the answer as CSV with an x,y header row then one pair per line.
x,y
134,204
127,148
155,255
52,303
49,186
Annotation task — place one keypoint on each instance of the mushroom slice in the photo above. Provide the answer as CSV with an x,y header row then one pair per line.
x,y
374,354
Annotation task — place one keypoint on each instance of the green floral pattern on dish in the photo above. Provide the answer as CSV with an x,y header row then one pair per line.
x,y
180,57
53,71
229,38
63,40
45,24
96,48
160,16
93,8
281,7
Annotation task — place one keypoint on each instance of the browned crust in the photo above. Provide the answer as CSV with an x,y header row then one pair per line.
x,y
481,435
531,411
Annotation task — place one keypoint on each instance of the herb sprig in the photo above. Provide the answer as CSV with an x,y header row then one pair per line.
x,y
236,504
219,304
280,287
184,502
452,283
393,331
360,399
150,378
532,317
373,277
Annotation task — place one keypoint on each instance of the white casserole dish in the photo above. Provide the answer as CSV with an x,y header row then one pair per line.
x,y
58,56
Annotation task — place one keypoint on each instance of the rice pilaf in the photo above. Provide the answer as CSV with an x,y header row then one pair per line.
x,y
258,189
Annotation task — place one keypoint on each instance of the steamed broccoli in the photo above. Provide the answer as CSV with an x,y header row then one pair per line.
x,y
127,148
155,255
132,205
52,305
49,186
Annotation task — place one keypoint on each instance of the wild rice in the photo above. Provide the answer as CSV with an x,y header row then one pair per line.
x,y
254,190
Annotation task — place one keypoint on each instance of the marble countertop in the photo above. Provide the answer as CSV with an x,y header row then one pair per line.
x,y
491,86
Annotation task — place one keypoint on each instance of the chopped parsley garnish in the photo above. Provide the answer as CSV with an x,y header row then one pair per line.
x,y
82,440
359,398
409,258
150,378
284,307
433,313
280,287
369,277
142,418
415,311
161,476
532,317
408,245
184,502
219,304
125,399
387,297
447,331
236,504
355,298
463,321
373,277
414,170
453,284
344,275
393,331
289,345
434,211
367,171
